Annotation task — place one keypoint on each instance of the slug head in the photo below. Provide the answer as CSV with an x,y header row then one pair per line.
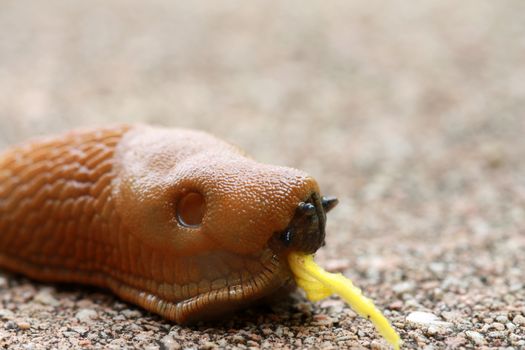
x,y
186,192
218,222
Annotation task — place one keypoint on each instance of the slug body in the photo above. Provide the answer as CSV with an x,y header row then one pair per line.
x,y
176,221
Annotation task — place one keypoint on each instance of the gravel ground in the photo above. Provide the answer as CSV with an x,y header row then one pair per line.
x,y
411,113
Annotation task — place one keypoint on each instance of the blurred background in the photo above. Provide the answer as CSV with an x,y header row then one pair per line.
x,y
412,113
361,94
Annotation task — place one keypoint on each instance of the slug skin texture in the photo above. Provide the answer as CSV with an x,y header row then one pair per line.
x,y
176,221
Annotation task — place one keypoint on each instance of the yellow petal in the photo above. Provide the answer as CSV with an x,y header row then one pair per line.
x,y
319,284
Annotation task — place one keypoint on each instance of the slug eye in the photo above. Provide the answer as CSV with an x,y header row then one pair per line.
x,y
190,209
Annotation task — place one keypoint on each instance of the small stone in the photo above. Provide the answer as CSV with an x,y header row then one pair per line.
x,y
510,326
336,265
251,343
433,330
334,305
420,318
208,345
69,334
437,267
3,283
519,320
86,315
437,294
131,313
6,314
85,304
44,297
502,319
323,320
376,345
84,342
266,331
476,337
169,343
23,325
455,342
82,330
451,316
496,334
10,325
498,326
403,287
396,305
238,339
326,345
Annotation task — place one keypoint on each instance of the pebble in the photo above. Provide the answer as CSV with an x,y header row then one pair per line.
x,y
396,305
323,320
44,297
152,347
455,342
403,287
376,345
496,334
420,318
10,325
519,320
337,265
498,326
86,315
238,339
510,326
169,343
69,334
6,314
266,331
433,330
437,267
208,345
476,337
502,319
131,313
84,342
23,325
334,305
82,330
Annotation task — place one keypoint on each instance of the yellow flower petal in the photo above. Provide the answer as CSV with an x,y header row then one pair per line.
x,y
319,284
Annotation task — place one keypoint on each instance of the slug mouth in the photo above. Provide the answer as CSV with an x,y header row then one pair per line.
x,y
306,231
249,278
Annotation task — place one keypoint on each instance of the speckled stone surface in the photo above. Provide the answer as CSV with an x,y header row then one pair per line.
x,y
413,114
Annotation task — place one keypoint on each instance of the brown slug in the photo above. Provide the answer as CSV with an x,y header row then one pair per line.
x,y
176,221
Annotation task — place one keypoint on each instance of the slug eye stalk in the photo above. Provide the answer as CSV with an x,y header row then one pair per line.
x,y
329,203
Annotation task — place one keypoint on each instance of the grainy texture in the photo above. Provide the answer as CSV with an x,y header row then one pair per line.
x,y
412,114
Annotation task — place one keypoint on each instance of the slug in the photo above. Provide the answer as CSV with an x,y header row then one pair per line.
x,y
176,221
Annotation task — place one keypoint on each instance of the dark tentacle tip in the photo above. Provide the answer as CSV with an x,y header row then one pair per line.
x,y
329,203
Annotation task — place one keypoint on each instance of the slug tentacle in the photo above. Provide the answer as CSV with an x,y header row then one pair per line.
x,y
173,220
329,203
